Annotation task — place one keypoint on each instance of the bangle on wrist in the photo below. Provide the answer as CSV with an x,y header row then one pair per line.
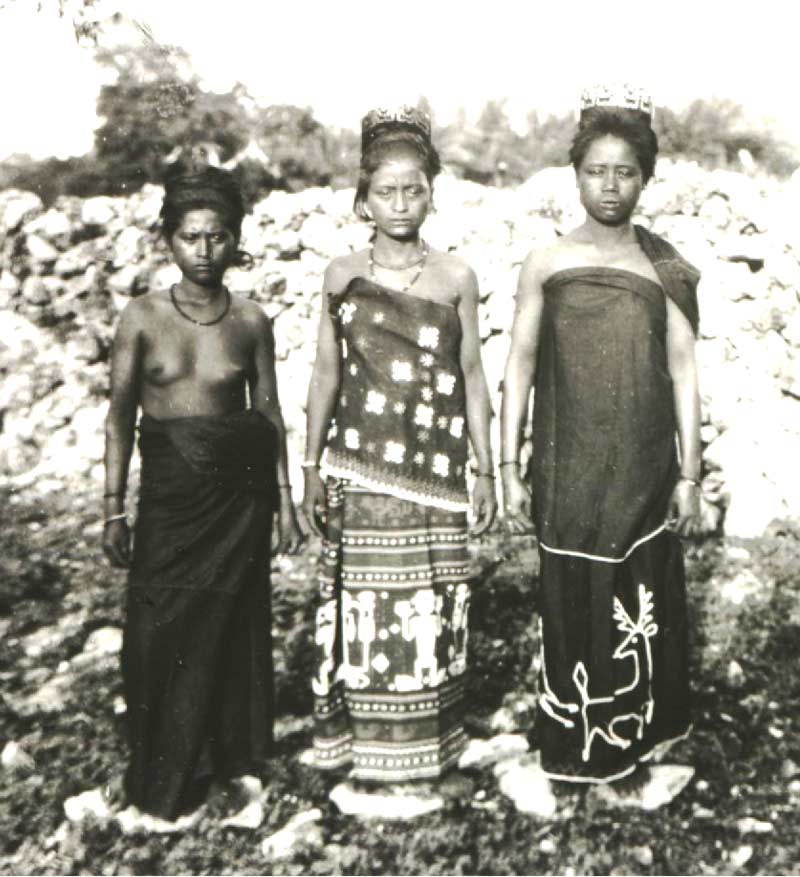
x,y
285,486
508,463
120,517
689,480
309,464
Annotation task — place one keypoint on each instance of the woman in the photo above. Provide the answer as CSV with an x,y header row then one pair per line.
x,y
196,659
604,326
398,374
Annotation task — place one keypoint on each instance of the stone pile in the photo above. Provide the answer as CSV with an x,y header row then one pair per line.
x,y
66,272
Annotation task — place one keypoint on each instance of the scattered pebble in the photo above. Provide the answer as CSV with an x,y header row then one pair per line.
x,y
301,828
749,825
643,855
16,760
736,678
548,846
741,856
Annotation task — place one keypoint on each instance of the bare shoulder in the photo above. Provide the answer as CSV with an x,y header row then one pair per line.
x,y
453,274
249,312
143,312
540,263
343,269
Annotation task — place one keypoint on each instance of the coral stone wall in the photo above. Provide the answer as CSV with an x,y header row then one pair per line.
x,y
66,272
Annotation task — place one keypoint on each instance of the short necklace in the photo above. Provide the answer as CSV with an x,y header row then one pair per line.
x,y
186,316
420,263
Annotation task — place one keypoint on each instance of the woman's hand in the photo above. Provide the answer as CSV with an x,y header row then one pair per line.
x,y
484,505
290,536
117,543
685,509
517,499
314,501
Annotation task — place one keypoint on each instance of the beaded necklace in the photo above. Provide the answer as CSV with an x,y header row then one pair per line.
x,y
186,316
420,263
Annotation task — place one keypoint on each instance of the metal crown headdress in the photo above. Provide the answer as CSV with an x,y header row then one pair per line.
x,y
617,96
402,117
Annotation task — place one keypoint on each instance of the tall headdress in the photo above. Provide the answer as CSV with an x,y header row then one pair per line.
x,y
617,96
402,118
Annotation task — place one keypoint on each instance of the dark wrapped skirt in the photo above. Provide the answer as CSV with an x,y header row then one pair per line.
x,y
196,660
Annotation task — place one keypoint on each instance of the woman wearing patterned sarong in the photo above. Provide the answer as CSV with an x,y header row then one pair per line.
x,y
397,388
604,331
196,659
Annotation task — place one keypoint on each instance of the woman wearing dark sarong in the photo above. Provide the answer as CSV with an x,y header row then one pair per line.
x,y
604,330
398,373
196,660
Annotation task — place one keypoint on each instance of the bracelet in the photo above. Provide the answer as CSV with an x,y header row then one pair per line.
x,y
309,464
508,463
285,486
119,517
690,480
478,474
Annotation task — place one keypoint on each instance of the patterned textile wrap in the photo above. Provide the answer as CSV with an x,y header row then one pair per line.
x,y
614,683
391,637
196,659
400,417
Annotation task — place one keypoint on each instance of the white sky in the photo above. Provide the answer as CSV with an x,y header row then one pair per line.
x,y
342,57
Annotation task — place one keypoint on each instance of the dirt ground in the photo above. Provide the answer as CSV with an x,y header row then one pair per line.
x,y
61,607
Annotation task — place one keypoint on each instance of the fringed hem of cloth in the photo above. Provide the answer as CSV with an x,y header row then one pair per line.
x,y
424,493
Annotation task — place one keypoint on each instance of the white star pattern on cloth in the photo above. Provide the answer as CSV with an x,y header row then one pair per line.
x,y
427,394
428,337
371,447
353,368
423,435
426,360
423,416
399,407
376,402
442,422
346,311
457,426
445,383
401,370
419,459
441,465
378,317
394,452
351,439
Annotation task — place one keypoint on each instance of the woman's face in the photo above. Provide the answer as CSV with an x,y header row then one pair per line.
x,y
610,180
399,196
203,246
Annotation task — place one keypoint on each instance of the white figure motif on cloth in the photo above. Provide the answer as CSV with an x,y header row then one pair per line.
x,y
634,645
421,623
459,630
325,637
358,621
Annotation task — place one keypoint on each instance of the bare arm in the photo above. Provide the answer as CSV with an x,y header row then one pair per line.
x,y
517,383
126,360
683,371
322,393
479,406
264,394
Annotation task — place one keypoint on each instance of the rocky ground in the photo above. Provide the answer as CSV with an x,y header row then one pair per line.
x,y
62,720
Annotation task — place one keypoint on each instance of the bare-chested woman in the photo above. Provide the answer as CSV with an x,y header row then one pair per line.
x,y
196,660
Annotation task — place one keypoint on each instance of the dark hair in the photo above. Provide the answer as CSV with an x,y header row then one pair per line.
x,y
632,126
381,149
211,188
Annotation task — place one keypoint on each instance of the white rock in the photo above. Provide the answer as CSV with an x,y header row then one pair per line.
x,y
523,780
735,674
53,225
749,825
300,828
16,760
100,210
384,805
321,234
18,207
481,753
86,805
742,587
741,856
40,250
